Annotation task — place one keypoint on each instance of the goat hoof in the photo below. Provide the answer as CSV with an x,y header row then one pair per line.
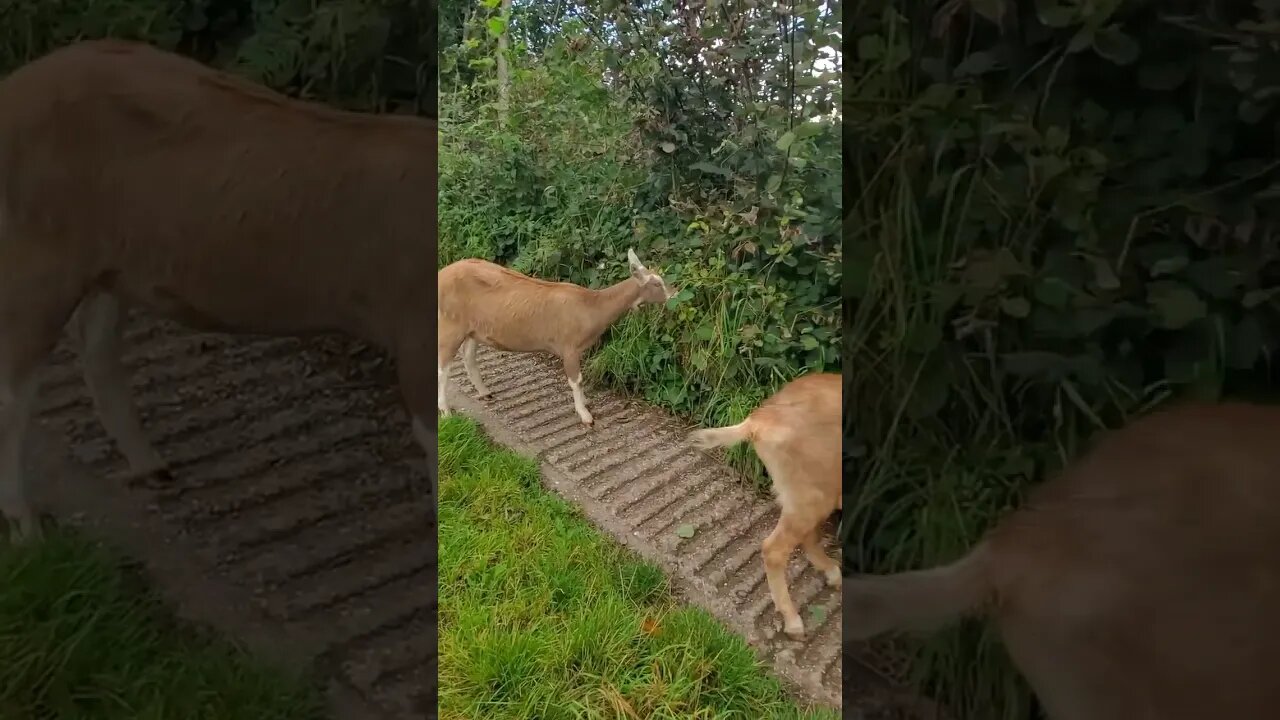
x,y
484,395
160,477
794,628
833,577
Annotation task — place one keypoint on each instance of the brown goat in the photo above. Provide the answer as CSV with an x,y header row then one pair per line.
x,y
132,176
797,434
483,302
1143,583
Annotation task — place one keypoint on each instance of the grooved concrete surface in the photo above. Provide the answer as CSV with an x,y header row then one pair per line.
x,y
635,476
299,518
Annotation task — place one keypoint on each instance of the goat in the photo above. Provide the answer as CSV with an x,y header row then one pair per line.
x,y
130,176
483,302
1141,583
797,434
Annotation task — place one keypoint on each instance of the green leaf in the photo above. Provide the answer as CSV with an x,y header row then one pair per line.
x,y
710,168
1169,265
808,129
497,26
871,47
1103,275
775,182
785,141
1254,298
704,332
1018,307
686,531
992,10
817,614
1055,15
1176,305
937,95
1089,320
1053,292
1216,276
808,342
668,147
978,63
1113,44
1081,40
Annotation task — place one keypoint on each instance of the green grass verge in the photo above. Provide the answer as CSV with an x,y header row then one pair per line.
x,y
541,616
81,637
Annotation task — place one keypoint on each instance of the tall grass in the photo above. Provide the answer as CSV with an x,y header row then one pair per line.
x,y
931,482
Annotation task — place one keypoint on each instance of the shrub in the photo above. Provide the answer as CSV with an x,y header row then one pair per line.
x,y
611,141
1061,214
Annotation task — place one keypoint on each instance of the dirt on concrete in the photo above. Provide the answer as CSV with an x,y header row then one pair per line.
x,y
299,519
636,477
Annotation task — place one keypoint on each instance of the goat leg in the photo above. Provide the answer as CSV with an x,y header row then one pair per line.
x,y
573,371
99,323
473,370
823,562
776,550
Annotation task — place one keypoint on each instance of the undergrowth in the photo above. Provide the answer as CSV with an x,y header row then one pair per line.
x,y
609,143
1060,215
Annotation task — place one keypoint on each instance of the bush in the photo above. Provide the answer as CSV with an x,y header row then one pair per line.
x,y
361,54
1060,215
608,144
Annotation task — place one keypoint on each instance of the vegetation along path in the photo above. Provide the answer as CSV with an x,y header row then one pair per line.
x,y
298,521
635,476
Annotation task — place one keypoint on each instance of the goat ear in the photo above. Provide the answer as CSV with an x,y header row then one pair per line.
x,y
637,267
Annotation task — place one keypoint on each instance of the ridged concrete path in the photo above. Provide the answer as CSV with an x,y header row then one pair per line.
x,y
634,475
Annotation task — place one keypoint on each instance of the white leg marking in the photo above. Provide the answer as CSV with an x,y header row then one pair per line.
x,y
15,414
99,323
473,370
430,445
442,378
580,401
833,576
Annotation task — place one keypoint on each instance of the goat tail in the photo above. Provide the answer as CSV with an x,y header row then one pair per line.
x,y
918,601
721,436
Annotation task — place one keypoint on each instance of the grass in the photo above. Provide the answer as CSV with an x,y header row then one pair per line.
x,y
81,637
541,616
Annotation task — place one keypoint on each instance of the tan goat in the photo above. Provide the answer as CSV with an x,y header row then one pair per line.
x,y
487,303
1143,583
797,434
129,175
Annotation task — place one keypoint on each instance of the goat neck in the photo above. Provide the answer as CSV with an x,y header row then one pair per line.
x,y
609,304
